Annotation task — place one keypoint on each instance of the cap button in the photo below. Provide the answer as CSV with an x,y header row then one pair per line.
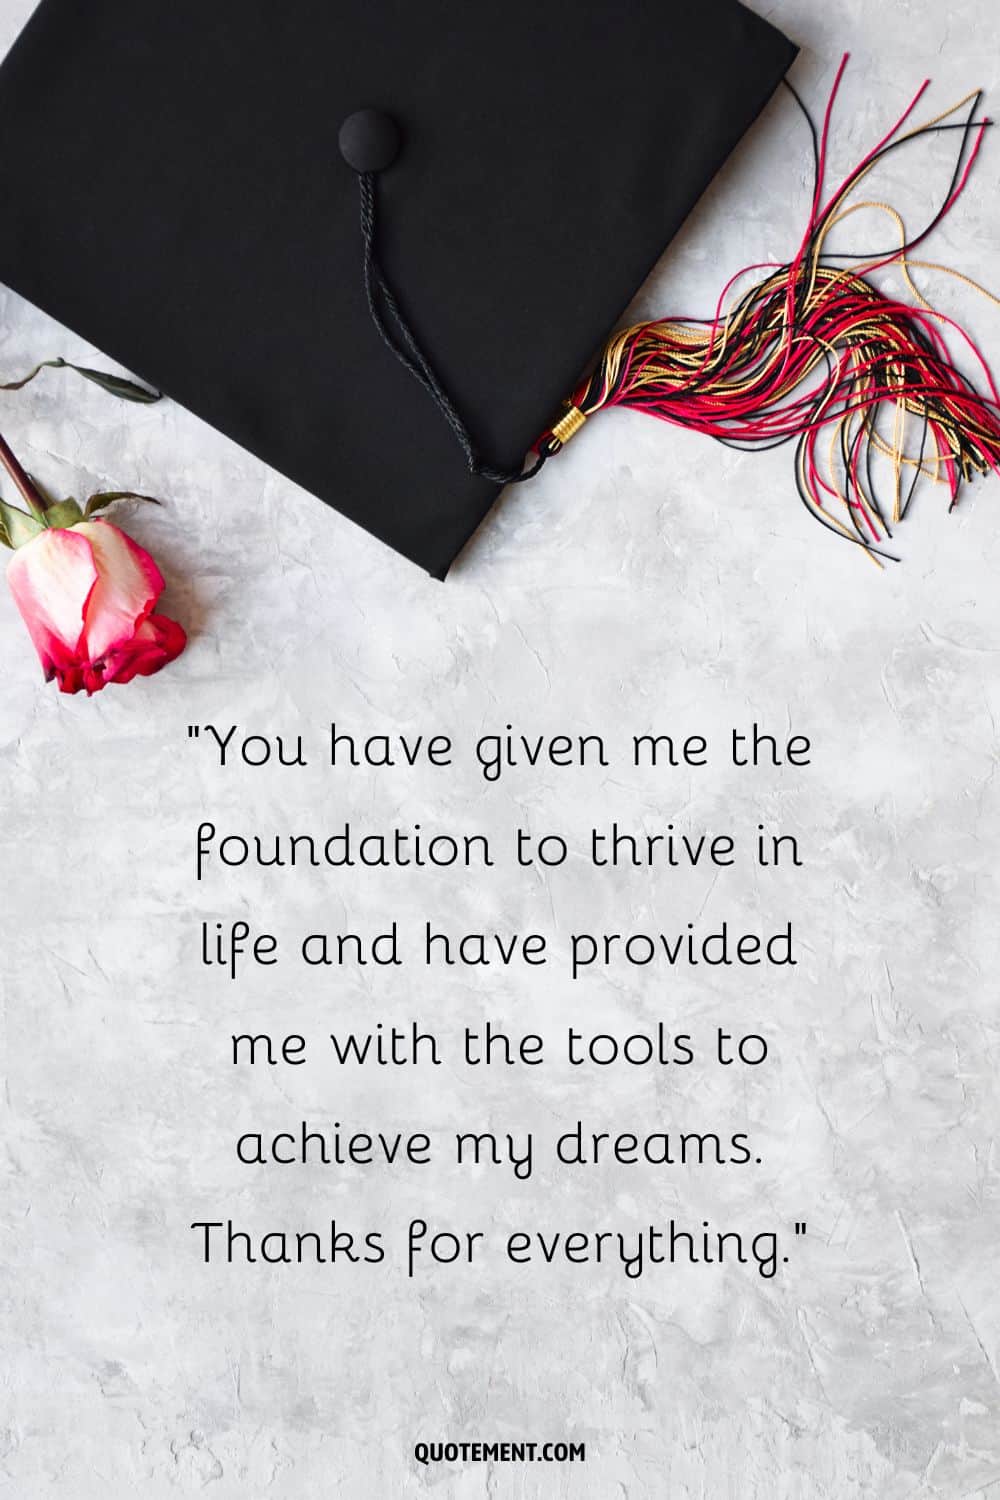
x,y
369,140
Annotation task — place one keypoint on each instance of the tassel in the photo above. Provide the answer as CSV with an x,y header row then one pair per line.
x,y
814,353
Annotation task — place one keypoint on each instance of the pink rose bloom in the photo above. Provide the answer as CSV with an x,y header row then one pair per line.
x,y
87,595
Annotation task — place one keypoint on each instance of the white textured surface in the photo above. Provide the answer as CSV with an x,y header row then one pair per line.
x,y
646,581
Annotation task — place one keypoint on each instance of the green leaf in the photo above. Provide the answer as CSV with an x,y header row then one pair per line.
x,y
115,385
47,364
5,540
63,514
111,497
18,526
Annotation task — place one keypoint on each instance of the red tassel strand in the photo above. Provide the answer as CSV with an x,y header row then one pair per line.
x,y
815,353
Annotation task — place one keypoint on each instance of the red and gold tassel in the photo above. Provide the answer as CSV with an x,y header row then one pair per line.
x,y
816,353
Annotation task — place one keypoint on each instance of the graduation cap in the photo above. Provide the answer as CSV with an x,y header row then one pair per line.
x,y
382,245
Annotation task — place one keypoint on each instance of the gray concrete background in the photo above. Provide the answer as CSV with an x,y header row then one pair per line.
x,y
646,581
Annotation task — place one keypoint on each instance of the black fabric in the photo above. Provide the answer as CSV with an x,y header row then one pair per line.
x,y
173,191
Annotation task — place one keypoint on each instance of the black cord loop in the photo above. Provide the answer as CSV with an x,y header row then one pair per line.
x,y
397,335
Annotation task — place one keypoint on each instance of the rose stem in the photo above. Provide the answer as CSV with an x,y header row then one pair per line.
x,y
20,478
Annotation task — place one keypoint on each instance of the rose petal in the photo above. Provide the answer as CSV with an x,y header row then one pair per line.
x,y
128,586
92,678
70,678
156,643
52,578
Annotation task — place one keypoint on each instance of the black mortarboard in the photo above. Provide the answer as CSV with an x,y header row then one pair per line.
x,y
174,192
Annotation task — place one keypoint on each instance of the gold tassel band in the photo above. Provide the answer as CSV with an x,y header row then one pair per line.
x,y
568,426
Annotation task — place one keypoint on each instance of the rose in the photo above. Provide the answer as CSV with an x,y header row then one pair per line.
x,y
87,593
85,590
